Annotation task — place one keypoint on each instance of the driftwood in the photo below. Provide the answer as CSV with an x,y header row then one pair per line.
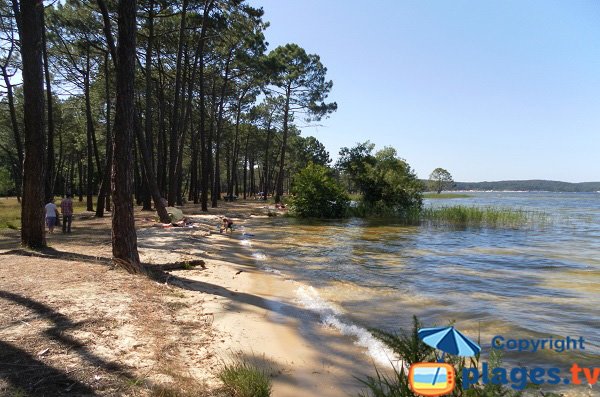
x,y
180,265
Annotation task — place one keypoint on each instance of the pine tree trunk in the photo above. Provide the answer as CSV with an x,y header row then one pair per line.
x,y
50,114
216,194
32,209
246,164
124,238
175,122
103,197
286,115
266,166
150,178
89,146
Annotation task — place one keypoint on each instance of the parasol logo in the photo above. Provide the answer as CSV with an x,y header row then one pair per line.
x,y
439,378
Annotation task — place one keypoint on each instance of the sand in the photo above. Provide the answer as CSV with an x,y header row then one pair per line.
x,y
91,329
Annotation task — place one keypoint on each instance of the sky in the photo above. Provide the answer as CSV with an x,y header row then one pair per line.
x,y
489,90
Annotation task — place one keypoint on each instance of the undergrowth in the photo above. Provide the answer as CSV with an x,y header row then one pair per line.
x,y
243,379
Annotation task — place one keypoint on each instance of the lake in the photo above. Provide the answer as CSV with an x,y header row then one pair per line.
x,y
536,281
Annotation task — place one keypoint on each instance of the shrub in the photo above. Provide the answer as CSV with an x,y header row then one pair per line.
x,y
317,194
387,183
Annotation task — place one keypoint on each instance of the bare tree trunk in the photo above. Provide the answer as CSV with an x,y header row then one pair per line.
x,y
103,196
80,176
236,144
217,177
61,161
50,114
286,115
89,145
32,209
150,181
161,145
146,149
175,122
266,166
204,149
246,163
124,238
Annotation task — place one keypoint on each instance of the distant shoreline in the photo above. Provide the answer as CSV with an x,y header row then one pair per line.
x,y
533,185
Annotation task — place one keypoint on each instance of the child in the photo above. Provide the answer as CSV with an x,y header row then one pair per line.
x,y
227,224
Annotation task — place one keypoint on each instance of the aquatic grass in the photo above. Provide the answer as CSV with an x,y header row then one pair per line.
x,y
481,216
381,210
456,216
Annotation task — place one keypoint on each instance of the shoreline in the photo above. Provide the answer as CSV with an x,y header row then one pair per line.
x,y
177,331
261,313
130,335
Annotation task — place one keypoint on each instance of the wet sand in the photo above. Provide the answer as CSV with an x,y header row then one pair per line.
x,y
258,317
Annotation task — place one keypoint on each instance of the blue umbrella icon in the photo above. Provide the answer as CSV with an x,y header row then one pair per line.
x,y
448,340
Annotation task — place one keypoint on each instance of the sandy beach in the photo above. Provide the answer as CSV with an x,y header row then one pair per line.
x,y
95,329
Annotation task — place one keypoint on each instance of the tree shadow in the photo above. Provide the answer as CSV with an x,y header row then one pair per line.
x,y
52,253
23,371
333,349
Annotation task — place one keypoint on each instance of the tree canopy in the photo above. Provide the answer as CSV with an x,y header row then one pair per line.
x,y
439,180
382,178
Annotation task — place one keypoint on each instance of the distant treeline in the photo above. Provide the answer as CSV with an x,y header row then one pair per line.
x,y
530,185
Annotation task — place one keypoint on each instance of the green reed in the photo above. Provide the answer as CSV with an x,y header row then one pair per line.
x,y
460,215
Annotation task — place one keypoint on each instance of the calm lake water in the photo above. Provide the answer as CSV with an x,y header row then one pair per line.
x,y
536,281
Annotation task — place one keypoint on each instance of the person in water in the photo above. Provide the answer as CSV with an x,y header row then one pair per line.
x,y
227,224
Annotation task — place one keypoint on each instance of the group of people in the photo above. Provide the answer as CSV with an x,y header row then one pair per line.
x,y
66,208
52,214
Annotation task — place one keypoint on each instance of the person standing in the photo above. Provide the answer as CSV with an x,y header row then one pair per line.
x,y
66,206
51,214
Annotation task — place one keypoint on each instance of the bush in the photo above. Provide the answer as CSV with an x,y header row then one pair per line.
x,y
242,379
317,194
387,184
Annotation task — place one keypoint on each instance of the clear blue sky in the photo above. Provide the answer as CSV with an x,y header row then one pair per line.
x,y
489,90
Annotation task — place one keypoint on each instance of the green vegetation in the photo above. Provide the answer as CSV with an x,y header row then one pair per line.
x,y
480,216
445,195
386,183
6,183
439,180
317,194
10,213
243,379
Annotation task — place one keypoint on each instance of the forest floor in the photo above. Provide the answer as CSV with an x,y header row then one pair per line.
x,y
73,324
